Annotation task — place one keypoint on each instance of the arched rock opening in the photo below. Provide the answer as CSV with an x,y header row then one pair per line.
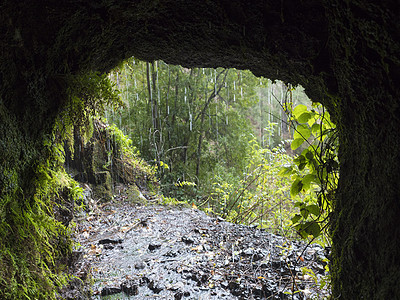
x,y
346,55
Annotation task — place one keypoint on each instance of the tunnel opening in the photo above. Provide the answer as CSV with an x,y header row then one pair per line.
x,y
344,56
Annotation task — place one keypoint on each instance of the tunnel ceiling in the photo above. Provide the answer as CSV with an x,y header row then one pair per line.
x,y
275,39
289,40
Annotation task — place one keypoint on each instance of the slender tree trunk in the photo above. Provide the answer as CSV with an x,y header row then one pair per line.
x,y
175,101
154,106
199,144
202,114
261,122
167,123
288,101
149,90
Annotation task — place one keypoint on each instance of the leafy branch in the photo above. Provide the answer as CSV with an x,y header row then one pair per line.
x,y
315,170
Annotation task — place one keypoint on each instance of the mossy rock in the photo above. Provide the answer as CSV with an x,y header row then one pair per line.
x,y
103,188
103,178
135,196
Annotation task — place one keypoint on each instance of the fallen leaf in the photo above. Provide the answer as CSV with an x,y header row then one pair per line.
x,y
126,228
197,248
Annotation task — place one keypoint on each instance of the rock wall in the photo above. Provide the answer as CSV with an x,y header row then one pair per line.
x,y
104,161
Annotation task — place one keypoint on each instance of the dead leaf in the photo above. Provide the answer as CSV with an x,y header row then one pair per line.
x,y
197,248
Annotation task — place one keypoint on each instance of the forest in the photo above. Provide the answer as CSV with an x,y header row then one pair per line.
x,y
207,137
228,142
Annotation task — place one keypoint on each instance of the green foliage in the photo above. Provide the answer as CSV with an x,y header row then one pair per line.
x,y
323,283
185,183
314,172
88,95
33,241
129,166
261,196
194,126
172,201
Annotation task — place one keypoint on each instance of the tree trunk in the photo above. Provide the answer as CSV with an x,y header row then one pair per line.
x,y
198,158
149,90
154,79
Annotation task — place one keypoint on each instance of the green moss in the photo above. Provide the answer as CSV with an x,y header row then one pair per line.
x,y
134,195
103,188
33,241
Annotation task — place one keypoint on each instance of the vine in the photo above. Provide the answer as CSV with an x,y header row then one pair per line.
x,y
315,171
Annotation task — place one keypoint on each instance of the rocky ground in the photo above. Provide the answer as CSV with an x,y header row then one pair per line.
x,y
157,252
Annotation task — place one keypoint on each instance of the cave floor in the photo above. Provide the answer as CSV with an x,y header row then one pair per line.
x,y
163,252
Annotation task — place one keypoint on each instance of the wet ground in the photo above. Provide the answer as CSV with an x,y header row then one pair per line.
x,y
158,252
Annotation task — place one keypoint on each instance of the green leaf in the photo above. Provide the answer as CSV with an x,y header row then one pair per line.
x,y
286,171
313,119
308,228
296,219
302,131
298,204
310,155
302,166
307,180
314,209
299,159
300,230
312,228
304,117
296,143
316,129
305,151
304,212
298,110
296,187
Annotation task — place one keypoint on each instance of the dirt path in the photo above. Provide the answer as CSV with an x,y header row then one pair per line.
x,y
156,252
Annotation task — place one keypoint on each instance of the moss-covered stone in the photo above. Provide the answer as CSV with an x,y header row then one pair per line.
x,y
103,188
135,196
